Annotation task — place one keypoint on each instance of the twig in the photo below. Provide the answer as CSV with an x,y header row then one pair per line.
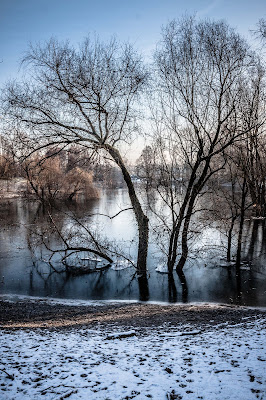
x,y
8,375
119,212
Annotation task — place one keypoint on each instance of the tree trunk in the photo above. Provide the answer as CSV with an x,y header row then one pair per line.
x,y
240,233
263,199
172,292
197,187
229,240
144,294
253,239
184,254
172,251
141,218
183,282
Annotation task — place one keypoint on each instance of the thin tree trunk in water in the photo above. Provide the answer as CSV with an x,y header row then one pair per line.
x,y
170,264
143,228
229,240
172,251
240,233
183,282
263,200
184,254
238,287
172,292
253,239
263,247
195,190
141,218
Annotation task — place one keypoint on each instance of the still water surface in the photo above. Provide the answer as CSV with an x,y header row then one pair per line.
x,y
24,273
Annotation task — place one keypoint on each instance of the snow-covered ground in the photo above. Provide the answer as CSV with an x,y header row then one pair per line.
x,y
181,362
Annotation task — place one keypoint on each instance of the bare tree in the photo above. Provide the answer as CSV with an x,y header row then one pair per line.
x,y
86,97
50,179
245,169
253,149
9,167
261,30
145,166
201,71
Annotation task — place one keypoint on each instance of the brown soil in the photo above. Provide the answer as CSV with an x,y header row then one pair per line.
x,y
41,314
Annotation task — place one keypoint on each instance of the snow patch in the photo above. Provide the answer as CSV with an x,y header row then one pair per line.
x,y
162,269
121,264
219,363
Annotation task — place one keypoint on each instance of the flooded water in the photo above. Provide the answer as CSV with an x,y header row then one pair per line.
x,y
24,267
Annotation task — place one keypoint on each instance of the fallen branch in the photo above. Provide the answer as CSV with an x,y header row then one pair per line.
x,y
121,335
190,333
66,395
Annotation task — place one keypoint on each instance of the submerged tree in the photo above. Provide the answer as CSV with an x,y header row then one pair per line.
x,y
202,69
86,97
245,170
253,147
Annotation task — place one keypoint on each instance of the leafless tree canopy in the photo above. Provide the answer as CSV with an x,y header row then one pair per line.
x,y
204,75
261,29
86,96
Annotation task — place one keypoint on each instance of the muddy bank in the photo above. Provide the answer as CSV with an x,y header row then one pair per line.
x,y
42,313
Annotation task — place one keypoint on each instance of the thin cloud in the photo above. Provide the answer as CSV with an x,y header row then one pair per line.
x,y
205,11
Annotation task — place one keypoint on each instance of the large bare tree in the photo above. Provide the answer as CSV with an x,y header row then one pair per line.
x,y
85,96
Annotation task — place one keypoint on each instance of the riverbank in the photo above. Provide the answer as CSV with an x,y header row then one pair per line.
x,y
33,312
102,351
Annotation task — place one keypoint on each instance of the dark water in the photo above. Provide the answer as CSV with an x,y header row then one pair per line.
x,y
24,269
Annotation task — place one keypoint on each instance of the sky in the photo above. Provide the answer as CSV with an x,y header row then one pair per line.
x,y
139,21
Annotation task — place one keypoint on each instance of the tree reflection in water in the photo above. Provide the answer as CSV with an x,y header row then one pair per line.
x,y
184,285
172,292
26,269
144,294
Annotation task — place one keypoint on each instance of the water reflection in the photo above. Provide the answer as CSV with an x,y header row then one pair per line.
x,y
25,267
172,292
144,294
183,282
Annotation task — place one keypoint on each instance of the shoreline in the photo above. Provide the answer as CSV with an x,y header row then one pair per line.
x,y
26,312
13,298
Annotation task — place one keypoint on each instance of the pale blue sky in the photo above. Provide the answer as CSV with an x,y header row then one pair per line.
x,y
139,21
